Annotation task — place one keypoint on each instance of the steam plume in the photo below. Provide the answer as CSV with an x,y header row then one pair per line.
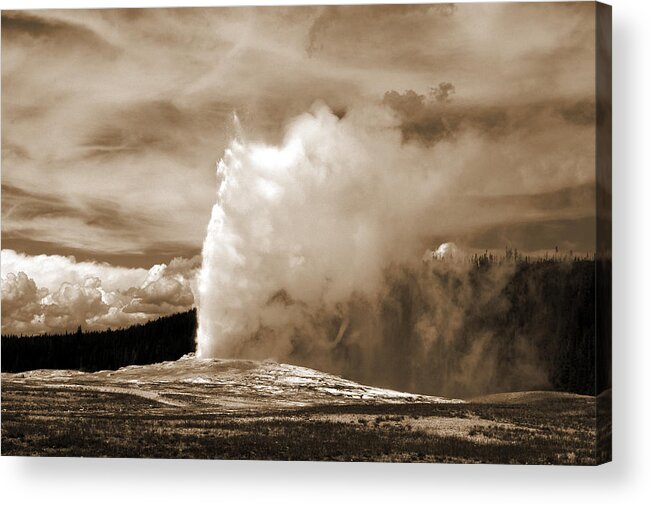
x,y
313,255
318,218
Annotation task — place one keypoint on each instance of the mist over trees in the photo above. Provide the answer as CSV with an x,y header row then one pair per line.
x,y
487,324
505,324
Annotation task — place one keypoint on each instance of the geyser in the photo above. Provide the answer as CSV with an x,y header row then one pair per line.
x,y
298,230
313,256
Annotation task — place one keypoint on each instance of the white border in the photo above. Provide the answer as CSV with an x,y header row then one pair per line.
x,y
627,480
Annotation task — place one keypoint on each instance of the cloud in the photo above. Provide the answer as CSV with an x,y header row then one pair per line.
x,y
430,118
344,20
582,112
51,271
21,301
47,294
167,288
72,305
131,108
541,50
72,222
37,30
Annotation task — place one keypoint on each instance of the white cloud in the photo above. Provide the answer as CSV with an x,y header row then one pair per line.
x,y
50,271
47,294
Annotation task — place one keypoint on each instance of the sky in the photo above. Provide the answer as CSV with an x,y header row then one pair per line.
x,y
113,121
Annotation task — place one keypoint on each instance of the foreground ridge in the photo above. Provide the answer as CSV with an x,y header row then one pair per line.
x,y
230,384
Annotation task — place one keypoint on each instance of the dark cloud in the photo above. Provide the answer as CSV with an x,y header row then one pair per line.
x,y
31,27
430,119
582,112
443,92
27,214
10,151
21,206
150,126
348,18
108,215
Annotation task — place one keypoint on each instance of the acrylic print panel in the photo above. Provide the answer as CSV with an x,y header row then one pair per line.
x,y
349,233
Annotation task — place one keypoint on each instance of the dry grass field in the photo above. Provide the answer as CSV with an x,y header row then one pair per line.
x,y
248,410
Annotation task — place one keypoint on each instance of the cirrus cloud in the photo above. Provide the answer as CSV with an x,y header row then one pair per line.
x,y
113,118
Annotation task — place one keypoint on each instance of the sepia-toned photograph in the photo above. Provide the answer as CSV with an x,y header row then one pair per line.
x,y
318,233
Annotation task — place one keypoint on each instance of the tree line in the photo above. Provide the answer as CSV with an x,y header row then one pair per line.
x,y
164,339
